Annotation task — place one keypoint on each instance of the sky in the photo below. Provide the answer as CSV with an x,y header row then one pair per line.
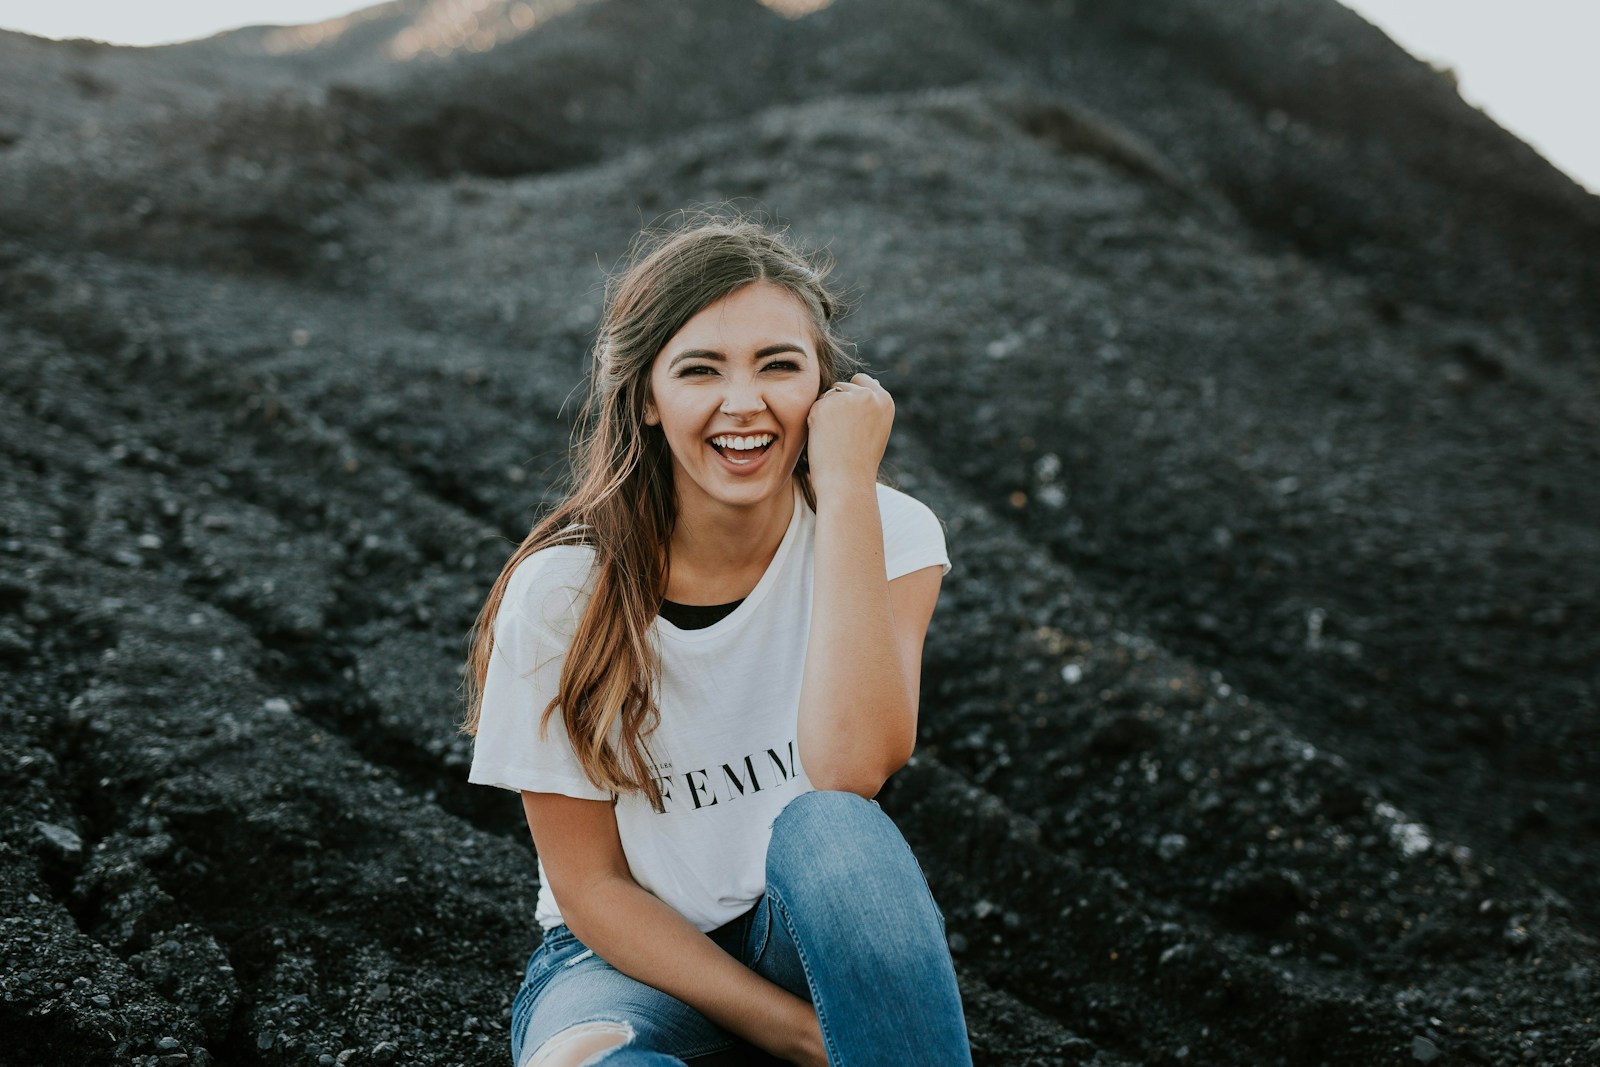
x,y
1527,64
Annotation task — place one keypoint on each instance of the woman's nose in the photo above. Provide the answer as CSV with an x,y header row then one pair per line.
x,y
743,401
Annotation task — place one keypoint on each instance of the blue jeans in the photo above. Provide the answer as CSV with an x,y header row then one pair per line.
x,y
847,922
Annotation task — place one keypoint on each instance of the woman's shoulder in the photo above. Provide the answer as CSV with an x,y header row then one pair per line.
x,y
896,495
913,536
547,585
898,505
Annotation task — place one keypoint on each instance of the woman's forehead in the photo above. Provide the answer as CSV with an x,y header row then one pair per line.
x,y
755,316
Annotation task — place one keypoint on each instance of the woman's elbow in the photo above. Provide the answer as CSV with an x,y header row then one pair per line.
x,y
864,781
866,786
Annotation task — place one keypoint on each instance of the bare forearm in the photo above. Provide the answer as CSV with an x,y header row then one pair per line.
x,y
857,713
646,939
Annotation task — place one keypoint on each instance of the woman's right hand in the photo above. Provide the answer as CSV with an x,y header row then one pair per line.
x,y
847,430
803,1043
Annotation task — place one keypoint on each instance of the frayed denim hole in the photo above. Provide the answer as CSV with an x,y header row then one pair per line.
x,y
619,1027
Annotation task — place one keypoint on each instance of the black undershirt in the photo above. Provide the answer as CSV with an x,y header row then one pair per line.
x,y
696,616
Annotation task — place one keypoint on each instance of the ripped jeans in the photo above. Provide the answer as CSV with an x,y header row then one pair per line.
x,y
847,921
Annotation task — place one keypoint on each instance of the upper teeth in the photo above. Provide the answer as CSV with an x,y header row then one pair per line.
x,y
760,440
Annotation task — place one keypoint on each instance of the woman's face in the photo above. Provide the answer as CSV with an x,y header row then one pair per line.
x,y
731,391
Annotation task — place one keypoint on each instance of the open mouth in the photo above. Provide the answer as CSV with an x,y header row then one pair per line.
x,y
740,449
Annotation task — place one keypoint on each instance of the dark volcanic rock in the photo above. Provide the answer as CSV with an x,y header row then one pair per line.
x,y
1251,370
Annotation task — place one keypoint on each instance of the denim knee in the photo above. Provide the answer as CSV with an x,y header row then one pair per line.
x,y
826,828
853,903
826,805
828,844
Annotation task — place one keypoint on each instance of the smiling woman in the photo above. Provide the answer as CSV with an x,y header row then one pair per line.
x,y
730,392
699,668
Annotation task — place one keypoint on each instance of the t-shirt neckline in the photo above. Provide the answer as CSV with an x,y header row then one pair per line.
x,y
740,614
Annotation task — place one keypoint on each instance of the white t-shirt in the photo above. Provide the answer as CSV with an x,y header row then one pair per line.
x,y
726,753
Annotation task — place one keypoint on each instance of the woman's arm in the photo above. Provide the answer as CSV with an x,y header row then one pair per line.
x,y
646,939
858,697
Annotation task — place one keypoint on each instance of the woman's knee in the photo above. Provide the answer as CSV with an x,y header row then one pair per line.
x,y
580,1044
828,814
826,842
847,889
599,1043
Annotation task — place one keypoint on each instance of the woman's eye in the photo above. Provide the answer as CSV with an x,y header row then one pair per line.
x,y
781,364
696,369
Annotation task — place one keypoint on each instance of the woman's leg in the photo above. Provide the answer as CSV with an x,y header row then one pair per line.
x,y
574,1008
581,1044
869,939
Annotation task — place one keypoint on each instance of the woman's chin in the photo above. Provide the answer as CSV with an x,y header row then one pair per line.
x,y
773,486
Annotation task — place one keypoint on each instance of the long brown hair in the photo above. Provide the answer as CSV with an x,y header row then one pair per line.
x,y
622,502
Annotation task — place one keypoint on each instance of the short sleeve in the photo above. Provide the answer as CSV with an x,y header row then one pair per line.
x,y
913,536
524,673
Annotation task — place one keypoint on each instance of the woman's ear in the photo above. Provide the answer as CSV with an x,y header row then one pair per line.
x,y
650,416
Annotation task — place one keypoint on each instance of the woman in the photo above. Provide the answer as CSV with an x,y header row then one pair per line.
x,y
699,668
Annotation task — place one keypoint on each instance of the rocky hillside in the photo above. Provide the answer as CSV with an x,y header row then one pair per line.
x,y
1254,374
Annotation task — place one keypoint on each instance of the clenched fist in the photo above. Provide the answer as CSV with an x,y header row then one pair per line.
x,y
847,431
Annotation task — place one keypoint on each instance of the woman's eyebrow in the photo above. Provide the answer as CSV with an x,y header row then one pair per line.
x,y
761,353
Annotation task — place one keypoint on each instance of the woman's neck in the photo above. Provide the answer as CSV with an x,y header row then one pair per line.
x,y
718,554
